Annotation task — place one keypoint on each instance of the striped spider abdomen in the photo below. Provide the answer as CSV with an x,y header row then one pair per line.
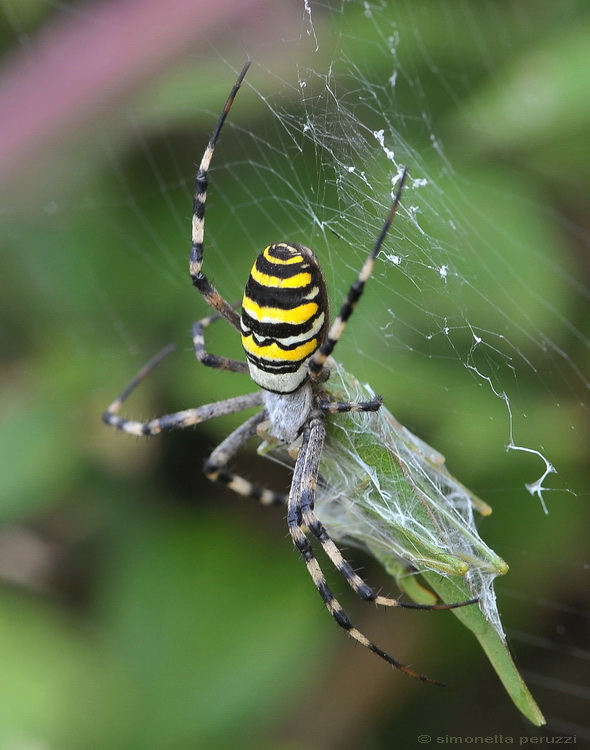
x,y
284,316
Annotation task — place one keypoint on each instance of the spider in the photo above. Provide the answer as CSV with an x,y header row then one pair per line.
x,y
287,340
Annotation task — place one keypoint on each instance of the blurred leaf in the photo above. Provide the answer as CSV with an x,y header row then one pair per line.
x,y
541,98
36,460
211,631
51,681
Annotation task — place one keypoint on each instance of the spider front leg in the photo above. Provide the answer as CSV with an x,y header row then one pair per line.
x,y
299,512
318,360
215,466
200,281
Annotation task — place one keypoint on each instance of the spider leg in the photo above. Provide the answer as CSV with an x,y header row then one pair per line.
x,y
301,497
178,420
181,419
211,360
215,465
318,360
341,407
200,281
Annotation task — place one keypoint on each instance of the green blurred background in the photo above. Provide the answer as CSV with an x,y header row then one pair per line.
x,y
143,608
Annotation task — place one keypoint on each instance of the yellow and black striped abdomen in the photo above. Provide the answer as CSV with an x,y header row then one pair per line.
x,y
284,316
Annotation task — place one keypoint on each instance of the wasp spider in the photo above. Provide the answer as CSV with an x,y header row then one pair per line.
x,y
287,339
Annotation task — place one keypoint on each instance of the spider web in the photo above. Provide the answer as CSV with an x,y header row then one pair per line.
x,y
363,166
474,332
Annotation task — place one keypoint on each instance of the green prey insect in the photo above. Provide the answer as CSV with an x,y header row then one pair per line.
x,y
288,342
